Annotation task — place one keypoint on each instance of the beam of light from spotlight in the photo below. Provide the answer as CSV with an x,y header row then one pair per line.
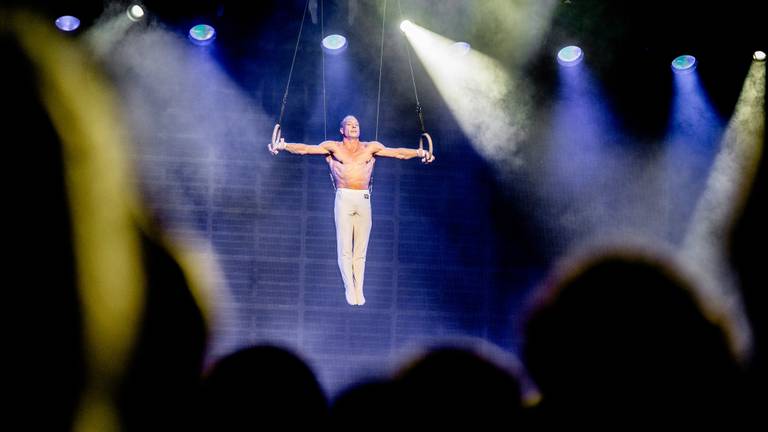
x,y
692,116
188,117
338,84
478,91
585,174
689,149
67,23
202,34
108,29
727,189
577,132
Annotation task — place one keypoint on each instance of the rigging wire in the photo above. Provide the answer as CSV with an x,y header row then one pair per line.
x,y
413,79
381,64
293,62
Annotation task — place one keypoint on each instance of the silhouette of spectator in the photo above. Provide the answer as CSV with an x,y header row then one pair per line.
x,y
111,322
262,386
619,334
363,401
163,373
458,385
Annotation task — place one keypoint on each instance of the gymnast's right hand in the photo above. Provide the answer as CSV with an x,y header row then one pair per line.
x,y
275,148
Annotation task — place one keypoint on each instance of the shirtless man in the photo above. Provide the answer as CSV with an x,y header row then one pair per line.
x,y
351,162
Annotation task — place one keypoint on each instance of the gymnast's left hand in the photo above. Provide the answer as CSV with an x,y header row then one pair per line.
x,y
425,156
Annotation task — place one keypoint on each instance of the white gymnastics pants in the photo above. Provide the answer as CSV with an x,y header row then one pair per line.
x,y
352,212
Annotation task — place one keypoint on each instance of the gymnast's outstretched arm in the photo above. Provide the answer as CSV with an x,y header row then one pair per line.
x,y
380,149
323,148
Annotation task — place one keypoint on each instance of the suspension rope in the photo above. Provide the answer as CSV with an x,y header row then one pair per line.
x,y
293,62
322,61
413,79
425,137
381,64
325,112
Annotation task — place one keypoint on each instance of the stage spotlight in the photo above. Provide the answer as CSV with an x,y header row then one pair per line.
x,y
684,63
405,26
67,23
759,56
334,43
202,34
135,12
570,56
461,48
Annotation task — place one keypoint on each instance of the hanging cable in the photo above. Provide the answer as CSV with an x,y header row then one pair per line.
x,y
381,64
413,79
322,61
293,62
274,146
419,112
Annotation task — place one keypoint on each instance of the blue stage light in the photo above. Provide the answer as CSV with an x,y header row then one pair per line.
x,y
570,56
684,63
67,23
202,34
334,43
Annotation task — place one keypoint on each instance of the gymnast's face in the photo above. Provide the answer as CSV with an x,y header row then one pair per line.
x,y
350,128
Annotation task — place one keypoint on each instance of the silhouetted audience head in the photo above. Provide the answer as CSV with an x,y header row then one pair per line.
x,y
113,337
458,385
619,333
362,402
259,386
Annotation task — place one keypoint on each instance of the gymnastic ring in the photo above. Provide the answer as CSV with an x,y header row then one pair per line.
x,y
429,154
276,132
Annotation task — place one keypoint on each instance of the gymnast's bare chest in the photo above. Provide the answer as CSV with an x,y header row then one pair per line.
x,y
360,158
